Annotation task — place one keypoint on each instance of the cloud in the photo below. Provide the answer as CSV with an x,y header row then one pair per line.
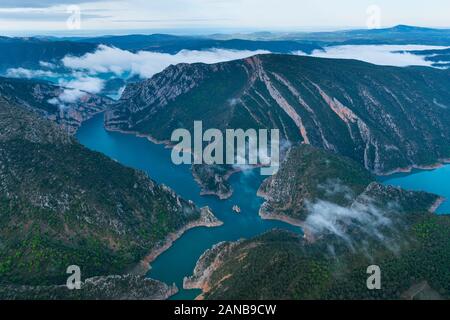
x,y
363,217
145,64
47,65
76,89
83,83
334,187
42,15
42,3
28,73
390,55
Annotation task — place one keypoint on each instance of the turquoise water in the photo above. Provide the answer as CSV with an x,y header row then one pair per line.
x,y
435,181
179,261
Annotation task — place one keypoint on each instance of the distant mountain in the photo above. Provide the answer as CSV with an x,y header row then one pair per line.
x,y
385,118
174,44
350,223
439,57
400,34
62,204
29,52
42,98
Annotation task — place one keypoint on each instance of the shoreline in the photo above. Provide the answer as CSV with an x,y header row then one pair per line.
x,y
221,196
437,204
206,220
307,235
167,145
441,163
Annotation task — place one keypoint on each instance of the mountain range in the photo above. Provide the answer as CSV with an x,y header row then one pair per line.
x,y
350,222
387,119
62,204
43,98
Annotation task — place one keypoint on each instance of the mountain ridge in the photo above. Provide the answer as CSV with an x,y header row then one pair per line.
x,y
386,118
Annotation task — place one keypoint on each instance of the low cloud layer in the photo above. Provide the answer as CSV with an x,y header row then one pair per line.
x,y
76,89
29,73
389,55
145,64
363,217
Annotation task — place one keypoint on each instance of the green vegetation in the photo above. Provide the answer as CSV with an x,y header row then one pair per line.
x,y
350,223
309,174
280,265
62,204
384,118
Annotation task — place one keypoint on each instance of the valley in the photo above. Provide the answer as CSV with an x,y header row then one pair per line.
x,y
88,178
178,262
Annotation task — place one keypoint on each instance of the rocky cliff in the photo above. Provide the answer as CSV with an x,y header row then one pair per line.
x,y
385,118
43,98
62,204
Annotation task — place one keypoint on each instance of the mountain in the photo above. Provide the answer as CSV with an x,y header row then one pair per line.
x,y
43,98
174,44
29,52
397,35
349,223
307,175
62,204
440,58
385,118
280,265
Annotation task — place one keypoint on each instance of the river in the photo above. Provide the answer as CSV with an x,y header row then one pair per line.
x,y
179,261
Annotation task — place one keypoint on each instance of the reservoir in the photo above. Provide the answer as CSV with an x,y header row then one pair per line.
x,y
179,261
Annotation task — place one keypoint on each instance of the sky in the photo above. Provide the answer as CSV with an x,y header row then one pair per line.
x,y
61,16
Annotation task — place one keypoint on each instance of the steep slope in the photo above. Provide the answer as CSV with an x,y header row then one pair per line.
x,y
312,180
385,118
350,223
281,265
307,175
43,99
62,204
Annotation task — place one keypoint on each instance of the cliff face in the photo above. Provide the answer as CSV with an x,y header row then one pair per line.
x,y
127,287
62,204
307,175
42,98
311,178
385,118
281,266
349,223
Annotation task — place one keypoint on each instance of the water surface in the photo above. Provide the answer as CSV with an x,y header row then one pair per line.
x,y
179,261
434,181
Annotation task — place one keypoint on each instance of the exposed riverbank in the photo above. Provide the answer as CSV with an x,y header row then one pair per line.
x,y
441,163
207,220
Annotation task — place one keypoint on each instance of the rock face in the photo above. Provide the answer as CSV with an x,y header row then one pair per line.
x,y
208,263
43,99
127,287
385,118
307,175
281,265
312,178
349,223
62,204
